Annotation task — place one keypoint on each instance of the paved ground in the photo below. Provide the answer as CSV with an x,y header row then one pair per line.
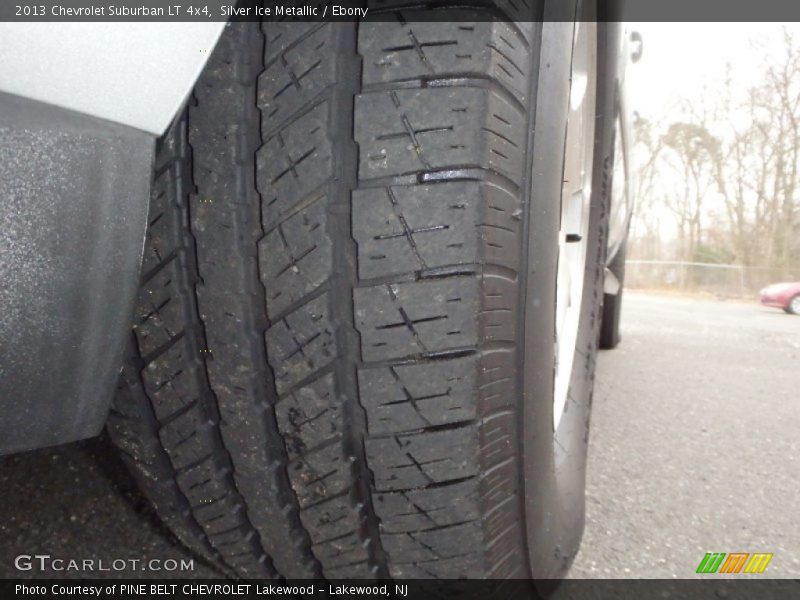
x,y
694,448
695,441
78,501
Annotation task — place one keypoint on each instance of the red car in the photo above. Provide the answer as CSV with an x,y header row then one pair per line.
x,y
782,295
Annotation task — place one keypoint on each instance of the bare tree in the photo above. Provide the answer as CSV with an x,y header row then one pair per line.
x,y
645,227
693,154
759,174
729,170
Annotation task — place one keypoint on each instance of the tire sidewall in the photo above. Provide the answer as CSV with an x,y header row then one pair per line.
x,y
555,465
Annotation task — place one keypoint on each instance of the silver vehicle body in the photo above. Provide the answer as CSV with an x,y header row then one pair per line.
x,y
81,106
134,74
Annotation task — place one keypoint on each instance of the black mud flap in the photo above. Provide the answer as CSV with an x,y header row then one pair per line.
x,y
73,209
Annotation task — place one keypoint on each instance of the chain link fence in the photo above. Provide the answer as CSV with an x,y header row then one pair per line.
x,y
732,281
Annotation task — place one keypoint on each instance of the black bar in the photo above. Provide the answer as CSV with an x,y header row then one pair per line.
x,y
414,10
710,588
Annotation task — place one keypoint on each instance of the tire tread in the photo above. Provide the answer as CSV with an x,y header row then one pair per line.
x,y
324,373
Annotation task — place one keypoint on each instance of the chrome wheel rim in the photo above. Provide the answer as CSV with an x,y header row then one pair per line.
x,y
575,207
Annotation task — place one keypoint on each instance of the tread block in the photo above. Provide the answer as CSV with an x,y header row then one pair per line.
x,y
301,343
310,420
129,427
204,483
160,240
411,397
219,515
319,475
437,544
408,130
310,416
416,510
440,48
172,381
409,461
188,438
402,229
407,319
295,257
330,519
463,566
342,551
334,525
296,75
158,314
294,162
280,35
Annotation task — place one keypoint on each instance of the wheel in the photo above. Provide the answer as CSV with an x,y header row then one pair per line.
x,y
342,359
793,307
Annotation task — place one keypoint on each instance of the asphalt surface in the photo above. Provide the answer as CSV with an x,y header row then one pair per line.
x,y
694,449
695,440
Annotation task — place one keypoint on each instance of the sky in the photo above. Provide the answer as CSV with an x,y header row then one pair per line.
x,y
687,60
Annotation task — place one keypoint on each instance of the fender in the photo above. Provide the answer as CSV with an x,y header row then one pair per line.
x,y
81,106
73,213
135,74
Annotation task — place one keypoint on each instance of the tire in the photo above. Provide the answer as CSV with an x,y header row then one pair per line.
x,y
612,303
793,307
331,366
